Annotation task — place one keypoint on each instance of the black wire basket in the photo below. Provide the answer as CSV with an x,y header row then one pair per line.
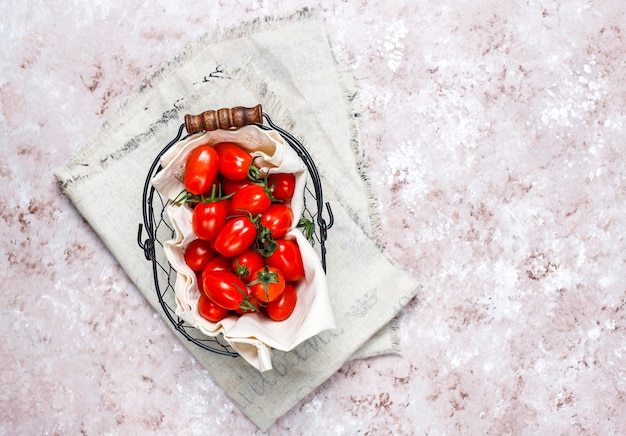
x,y
159,229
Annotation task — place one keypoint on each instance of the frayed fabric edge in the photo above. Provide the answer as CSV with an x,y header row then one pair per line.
x,y
77,168
350,89
268,99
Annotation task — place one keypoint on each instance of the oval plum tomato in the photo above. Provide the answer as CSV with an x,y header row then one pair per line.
x,y
282,308
250,198
282,185
224,288
233,161
235,237
229,186
268,284
201,170
208,218
247,263
198,253
219,263
278,219
209,310
288,259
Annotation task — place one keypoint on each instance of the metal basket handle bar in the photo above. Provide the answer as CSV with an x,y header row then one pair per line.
x,y
148,212
317,183
148,247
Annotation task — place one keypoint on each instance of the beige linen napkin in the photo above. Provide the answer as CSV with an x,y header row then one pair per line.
x,y
286,65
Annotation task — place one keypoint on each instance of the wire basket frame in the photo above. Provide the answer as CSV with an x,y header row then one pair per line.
x,y
159,230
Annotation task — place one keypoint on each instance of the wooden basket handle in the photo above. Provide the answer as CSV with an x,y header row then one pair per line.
x,y
225,118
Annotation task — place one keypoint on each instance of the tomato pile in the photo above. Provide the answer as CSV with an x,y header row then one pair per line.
x,y
242,260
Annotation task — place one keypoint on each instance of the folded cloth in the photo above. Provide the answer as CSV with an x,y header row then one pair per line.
x,y
289,69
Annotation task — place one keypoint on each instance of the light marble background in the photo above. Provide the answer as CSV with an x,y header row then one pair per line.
x,y
495,136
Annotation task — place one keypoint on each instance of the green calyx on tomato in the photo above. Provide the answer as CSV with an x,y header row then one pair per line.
x,y
264,244
307,227
248,306
188,198
254,173
240,270
244,265
268,285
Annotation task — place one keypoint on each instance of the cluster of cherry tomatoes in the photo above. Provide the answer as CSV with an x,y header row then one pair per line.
x,y
240,216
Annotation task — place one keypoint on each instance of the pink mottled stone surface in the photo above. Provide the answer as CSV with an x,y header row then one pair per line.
x,y
495,136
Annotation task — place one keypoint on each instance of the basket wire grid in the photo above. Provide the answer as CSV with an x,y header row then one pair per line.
x,y
159,229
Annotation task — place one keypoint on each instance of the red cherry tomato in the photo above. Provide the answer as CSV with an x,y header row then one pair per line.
x,y
268,284
224,288
250,198
288,259
235,237
282,185
282,308
208,218
198,253
229,186
201,170
247,263
219,263
209,310
233,160
278,219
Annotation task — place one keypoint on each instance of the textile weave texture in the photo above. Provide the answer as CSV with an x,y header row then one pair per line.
x,y
286,64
